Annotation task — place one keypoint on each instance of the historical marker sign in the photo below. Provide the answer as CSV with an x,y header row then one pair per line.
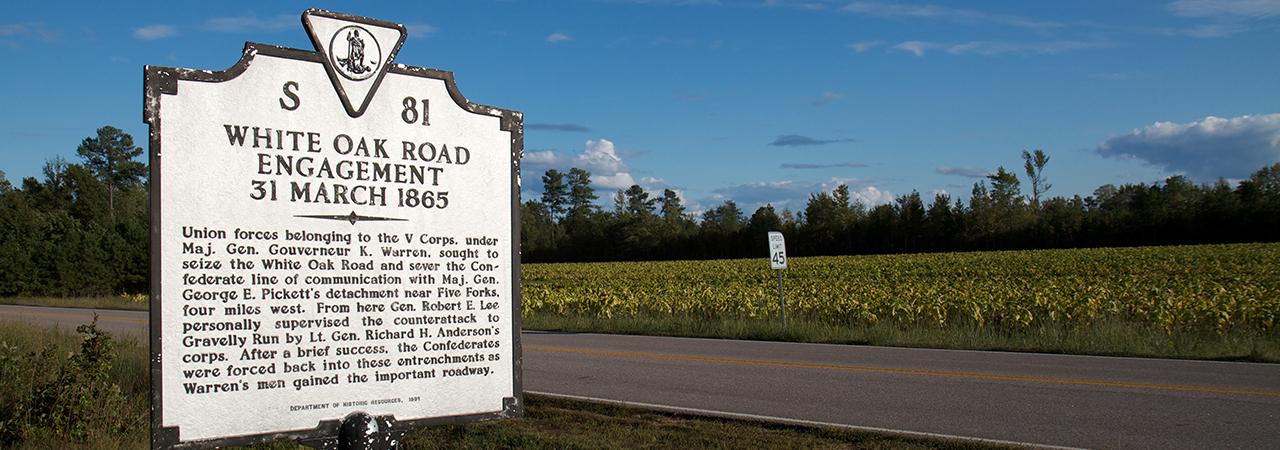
x,y
332,233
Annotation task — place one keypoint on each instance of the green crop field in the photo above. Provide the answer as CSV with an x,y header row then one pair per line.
x,y
1207,290
1206,301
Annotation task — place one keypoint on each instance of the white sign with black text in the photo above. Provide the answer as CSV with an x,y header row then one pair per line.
x,y
332,233
777,251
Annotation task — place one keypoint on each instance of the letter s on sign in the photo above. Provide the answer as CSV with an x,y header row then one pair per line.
x,y
292,94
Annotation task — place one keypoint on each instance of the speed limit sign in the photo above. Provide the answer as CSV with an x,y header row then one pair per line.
x,y
777,251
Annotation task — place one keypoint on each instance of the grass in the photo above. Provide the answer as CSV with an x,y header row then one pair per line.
x,y
553,423
1217,302
136,302
35,359
1103,337
36,355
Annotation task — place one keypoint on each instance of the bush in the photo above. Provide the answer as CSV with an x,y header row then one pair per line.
x,y
67,397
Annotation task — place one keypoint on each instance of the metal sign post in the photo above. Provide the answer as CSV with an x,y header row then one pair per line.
x,y
778,262
782,300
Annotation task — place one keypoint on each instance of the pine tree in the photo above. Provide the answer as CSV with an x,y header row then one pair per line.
x,y
110,157
555,194
638,201
581,196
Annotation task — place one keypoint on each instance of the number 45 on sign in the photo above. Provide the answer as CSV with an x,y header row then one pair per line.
x,y
777,251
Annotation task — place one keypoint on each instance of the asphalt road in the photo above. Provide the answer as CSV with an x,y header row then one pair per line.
x,y
1051,400
127,323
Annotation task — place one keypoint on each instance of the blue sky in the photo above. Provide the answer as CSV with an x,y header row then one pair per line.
x,y
755,101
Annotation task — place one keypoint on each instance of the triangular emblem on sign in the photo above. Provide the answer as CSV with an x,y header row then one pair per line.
x,y
357,52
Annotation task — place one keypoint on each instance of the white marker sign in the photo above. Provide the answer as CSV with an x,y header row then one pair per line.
x,y
777,251
332,233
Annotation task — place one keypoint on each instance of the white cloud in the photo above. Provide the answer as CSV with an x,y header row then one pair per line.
x,y
872,196
860,190
622,180
795,194
11,34
13,29
916,47
992,48
658,184
600,157
1206,149
619,180
988,48
1225,17
934,12
540,158
1213,30
557,37
1226,8
863,46
153,32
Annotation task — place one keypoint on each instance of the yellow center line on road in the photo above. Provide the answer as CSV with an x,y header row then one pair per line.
x,y
76,315
902,371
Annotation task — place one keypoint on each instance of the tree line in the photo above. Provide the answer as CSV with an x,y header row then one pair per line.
x,y
566,225
82,229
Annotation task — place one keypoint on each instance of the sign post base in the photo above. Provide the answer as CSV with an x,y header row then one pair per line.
x,y
360,431
782,301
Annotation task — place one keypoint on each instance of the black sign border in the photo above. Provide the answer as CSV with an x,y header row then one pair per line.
x,y
159,81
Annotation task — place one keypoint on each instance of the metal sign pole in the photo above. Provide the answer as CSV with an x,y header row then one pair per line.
x,y
778,261
782,300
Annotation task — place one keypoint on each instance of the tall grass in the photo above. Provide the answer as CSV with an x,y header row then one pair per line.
x,y
135,302
64,391
1102,337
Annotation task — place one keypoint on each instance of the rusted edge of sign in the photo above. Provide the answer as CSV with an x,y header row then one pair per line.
x,y
159,81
